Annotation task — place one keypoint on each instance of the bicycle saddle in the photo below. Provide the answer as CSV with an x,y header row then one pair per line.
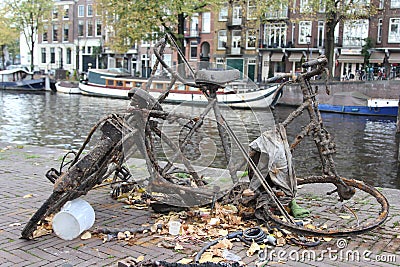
x,y
217,77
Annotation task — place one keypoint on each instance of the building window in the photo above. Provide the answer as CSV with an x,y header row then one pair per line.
x,y
98,27
279,12
223,13
251,39
381,4
321,31
52,55
90,10
193,49
304,30
55,33
81,11
237,15
222,39
89,50
69,55
379,36
321,6
89,27
304,6
194,26
43,55
355,32
66,12
80,28
206,22
394,30
275,34
395,4
220,62
55,13
45,34
251,9
66,32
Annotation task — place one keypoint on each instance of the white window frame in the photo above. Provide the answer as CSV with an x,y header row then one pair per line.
x,y
194,26
321,33
304,6
223,13
274,32
394,36
251,34
81,23
381,4
87,28
65,27
43,55
54,29
66,12
45,33
222,38
251,10
206,22
305,27
394,3
355,32
98,22
89,10
81,11
193,44
379,32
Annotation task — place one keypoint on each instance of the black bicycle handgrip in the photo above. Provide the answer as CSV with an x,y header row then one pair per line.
x,y
314,62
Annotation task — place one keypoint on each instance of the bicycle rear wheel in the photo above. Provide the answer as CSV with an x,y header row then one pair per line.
x,y
81,177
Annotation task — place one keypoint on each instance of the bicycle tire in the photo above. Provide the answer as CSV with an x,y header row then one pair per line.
x,y
380,198
64,191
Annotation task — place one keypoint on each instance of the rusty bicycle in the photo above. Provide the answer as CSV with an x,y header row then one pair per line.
x,y
173,177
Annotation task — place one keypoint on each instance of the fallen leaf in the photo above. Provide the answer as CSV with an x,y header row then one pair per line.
x,y
206,256
120,236
223,232
140,258
281,241
28,196
41,232
86,235
224,243
185,261
248,193
346,217
253,249
214,221
178,246
327,239
217,259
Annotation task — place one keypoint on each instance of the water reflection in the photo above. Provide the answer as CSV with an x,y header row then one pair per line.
x,y
367,146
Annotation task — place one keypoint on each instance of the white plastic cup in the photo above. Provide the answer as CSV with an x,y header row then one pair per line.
x,y
74,217
174,227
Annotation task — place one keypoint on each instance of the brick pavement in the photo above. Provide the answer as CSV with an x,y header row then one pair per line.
x,y
22,172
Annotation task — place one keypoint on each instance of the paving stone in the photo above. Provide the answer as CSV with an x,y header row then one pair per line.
x,y
50,250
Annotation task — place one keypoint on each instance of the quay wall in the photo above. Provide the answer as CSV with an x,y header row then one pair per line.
x,y
381,89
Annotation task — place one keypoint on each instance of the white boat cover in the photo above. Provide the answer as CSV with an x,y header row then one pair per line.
x,y
276,161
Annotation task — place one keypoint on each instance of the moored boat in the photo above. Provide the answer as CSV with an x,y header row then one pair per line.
x,y
68,87
20,79
116,83
357,103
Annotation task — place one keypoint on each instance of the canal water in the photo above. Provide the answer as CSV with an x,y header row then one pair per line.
x,y
366,146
